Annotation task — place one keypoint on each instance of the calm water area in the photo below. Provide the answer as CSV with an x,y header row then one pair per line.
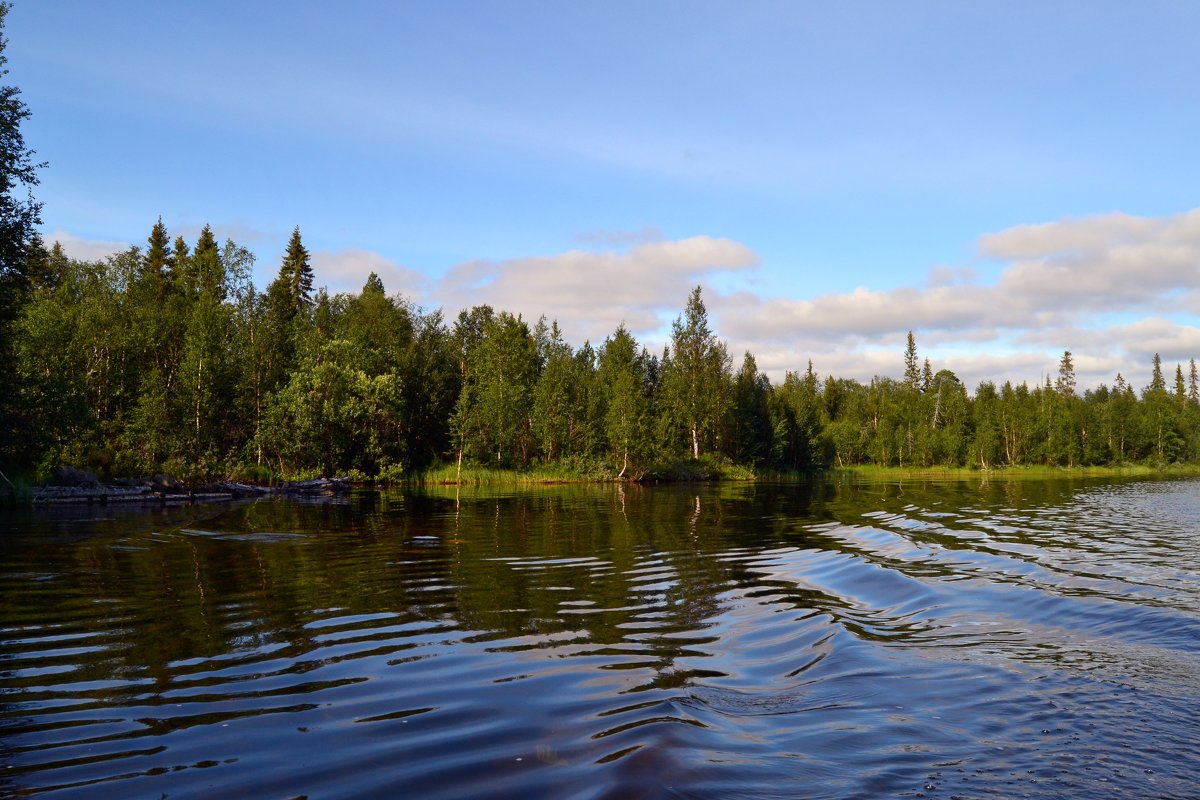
x,y
999,639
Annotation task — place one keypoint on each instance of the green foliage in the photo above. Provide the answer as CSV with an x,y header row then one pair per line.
x,y
167,359
492,419
623,387
24,263
695,379
749,427
296,274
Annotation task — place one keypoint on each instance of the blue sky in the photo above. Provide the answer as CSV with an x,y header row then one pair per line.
x,y
1009,180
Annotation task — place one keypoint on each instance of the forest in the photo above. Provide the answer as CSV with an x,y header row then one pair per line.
x,y
166,358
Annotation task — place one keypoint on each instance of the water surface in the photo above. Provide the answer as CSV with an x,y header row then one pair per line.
x,y
941,639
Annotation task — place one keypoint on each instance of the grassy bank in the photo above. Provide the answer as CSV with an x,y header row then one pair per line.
x,y
874,472
717,470
703,469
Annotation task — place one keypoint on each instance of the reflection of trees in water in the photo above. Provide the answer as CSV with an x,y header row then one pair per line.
x,y
623,566
256,575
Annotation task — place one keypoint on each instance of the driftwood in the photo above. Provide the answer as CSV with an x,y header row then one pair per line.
x,y
82,487
325,487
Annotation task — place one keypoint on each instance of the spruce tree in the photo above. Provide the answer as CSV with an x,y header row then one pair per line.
x,y
205,272
156,262
912,373
1065,385
178,265
1157,384
297,273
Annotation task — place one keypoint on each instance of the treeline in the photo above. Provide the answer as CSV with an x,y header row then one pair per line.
x,y
166,358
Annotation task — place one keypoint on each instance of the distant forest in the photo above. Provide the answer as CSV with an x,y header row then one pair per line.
x,y
166,358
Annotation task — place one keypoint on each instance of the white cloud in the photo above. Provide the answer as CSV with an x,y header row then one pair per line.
x,y
590,293
347,270
84,249
940,276
1100,263
1113,289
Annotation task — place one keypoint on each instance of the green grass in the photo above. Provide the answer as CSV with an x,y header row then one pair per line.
x,y
875,472
472,475
707,468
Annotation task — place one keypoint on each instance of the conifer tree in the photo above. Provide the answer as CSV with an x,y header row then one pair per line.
x,y
750,419
206,273
297,273
1065,385
1157,384
44,268
178,268
1193,383
156,262
912,374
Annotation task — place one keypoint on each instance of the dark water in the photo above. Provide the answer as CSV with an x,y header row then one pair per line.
x,y
1023,639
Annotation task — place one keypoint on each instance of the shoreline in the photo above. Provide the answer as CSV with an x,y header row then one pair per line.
x,y
224,491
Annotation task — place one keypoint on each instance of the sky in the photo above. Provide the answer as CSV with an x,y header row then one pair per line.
x,y
1008,180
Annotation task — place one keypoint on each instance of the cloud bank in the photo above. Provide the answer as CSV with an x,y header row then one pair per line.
x,y
82,248
347,270
591,293
1113,289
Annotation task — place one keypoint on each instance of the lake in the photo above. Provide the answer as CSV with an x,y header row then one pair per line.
x,y
1003,638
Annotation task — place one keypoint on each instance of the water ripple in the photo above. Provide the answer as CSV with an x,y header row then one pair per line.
x,y
894,641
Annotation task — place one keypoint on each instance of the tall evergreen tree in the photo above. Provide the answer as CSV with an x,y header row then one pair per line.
x,y
206,272
156,263
44,269
912,371
1065,385
297,273
179,267
750,415
1157,383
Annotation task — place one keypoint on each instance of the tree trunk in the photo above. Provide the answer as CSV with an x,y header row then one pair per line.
x,y
695,443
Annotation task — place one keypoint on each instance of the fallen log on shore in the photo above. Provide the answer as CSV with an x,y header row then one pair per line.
x,y
220,492
82,488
